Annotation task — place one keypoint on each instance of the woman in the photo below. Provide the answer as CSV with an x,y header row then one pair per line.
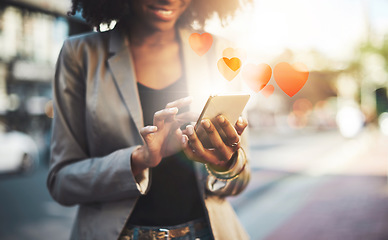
x,y
118,151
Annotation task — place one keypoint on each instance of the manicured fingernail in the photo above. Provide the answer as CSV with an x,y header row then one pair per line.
x,y
153,128
221,119
173,110
240,121
206,123
184,139
190,129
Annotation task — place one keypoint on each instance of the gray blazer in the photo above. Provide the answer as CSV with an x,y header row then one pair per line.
x,y
97,117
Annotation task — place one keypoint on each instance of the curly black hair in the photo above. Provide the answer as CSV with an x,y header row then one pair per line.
x,y
96,12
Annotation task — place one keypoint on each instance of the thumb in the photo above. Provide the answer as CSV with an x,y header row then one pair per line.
x,y
148,133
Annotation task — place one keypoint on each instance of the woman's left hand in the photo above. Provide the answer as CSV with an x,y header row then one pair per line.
x,y
218,157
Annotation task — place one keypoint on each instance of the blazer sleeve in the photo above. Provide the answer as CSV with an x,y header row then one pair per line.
x,y
75,177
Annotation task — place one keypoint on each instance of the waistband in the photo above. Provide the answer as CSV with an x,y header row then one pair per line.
x,y
163,232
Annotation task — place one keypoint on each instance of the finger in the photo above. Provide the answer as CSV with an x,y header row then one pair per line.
x,y
162,115
216,140
178,134
240,125
189,151
147,132
201,154
180,102
194,142
208,157
232,136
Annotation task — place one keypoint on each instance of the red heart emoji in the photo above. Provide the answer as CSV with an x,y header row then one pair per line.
x,y
257,76
290,78
200,43
268,90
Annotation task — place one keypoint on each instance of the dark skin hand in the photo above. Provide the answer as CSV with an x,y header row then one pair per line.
x,y
165,138
218,157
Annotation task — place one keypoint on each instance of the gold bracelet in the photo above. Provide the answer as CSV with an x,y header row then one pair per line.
x,y
223,176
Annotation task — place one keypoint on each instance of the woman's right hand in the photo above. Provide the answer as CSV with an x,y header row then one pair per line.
x,y
162,139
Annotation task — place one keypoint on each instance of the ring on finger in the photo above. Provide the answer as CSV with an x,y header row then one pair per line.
x,y
192,149
235,144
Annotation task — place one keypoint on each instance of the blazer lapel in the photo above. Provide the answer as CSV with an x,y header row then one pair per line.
x,y
121,65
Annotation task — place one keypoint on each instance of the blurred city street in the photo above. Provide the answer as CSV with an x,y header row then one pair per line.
x,y
305,185
27,211
319,158
317,186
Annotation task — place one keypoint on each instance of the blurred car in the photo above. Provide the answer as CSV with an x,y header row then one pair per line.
x,y
18,153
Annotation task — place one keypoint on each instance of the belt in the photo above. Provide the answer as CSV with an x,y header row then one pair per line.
x,y
160,233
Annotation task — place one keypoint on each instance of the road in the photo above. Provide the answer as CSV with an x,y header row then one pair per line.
x,y
305,185
317,186
28,212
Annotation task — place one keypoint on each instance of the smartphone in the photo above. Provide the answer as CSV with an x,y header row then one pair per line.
x,y
230,106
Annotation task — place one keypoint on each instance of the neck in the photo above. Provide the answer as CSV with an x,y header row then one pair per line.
x,y
141,35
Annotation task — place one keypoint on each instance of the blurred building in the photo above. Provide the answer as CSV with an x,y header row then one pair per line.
x,y
31,35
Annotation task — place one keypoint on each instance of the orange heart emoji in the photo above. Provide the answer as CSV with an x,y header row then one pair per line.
x,y
235,52
233,63
268,90
200,43
229,68
257,76
289,78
